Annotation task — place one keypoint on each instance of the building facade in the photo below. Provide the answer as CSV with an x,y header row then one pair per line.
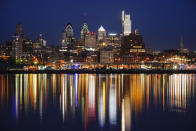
x,y
90,41
17,42
101,34
126,24
84,30
132,43
106,56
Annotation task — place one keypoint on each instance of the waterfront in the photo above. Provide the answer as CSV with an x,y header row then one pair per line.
x,y
97,101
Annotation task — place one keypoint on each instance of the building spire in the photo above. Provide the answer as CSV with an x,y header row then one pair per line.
x,y
181,44
85,16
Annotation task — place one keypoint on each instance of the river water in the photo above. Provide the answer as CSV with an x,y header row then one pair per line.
x,y
137,102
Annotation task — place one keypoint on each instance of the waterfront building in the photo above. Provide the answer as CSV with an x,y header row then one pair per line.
x,y
126,24
106,56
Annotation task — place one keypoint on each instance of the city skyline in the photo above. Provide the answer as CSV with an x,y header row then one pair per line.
x,y
156,35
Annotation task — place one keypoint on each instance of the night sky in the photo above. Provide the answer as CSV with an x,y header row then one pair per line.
x,y
161,22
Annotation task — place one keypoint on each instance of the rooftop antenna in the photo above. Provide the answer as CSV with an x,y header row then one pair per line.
x,y
85,16
181,44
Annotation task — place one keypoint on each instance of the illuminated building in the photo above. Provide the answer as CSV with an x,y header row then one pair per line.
x,y
113,40
90,41
132,43
41,41
182,49
101,33
2,50
39,45
106,56
84,29
8,48
126,24
27,47
17,42
181,45
101,38
67,37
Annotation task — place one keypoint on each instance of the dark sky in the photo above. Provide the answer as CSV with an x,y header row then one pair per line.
x,y
161,22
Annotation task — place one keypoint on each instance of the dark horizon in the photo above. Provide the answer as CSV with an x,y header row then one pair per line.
x,y
161,23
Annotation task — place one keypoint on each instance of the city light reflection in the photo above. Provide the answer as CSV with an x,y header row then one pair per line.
x,y
96,98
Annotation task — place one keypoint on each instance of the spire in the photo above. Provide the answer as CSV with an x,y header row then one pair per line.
x,y
101,28
19,30
84,28
85,16
122,21
181,44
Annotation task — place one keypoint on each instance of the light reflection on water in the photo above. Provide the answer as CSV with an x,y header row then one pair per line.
x,y
112,99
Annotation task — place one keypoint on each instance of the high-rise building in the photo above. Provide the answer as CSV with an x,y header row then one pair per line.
x,y
112,40
126,24
19,31
84,29
42,41
17,42
132,43
68,34
101,33
181,45
90,41
8,47
39,45
27,47
67,38
182,49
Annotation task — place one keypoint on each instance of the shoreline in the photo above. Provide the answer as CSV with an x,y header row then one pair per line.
x,y
103,71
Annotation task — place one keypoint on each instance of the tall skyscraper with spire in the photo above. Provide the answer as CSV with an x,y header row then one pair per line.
x,y
181,45
126,24
84,29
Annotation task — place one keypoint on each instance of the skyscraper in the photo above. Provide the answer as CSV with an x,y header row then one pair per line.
x,y
84,29
17,42
113,40
126,24
42,41
68,34
181,45
132,44
67,38
101,33
90,41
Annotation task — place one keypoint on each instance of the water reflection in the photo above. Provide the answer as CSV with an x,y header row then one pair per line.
x,y
118,99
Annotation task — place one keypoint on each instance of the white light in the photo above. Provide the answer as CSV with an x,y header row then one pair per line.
x,y
112,34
